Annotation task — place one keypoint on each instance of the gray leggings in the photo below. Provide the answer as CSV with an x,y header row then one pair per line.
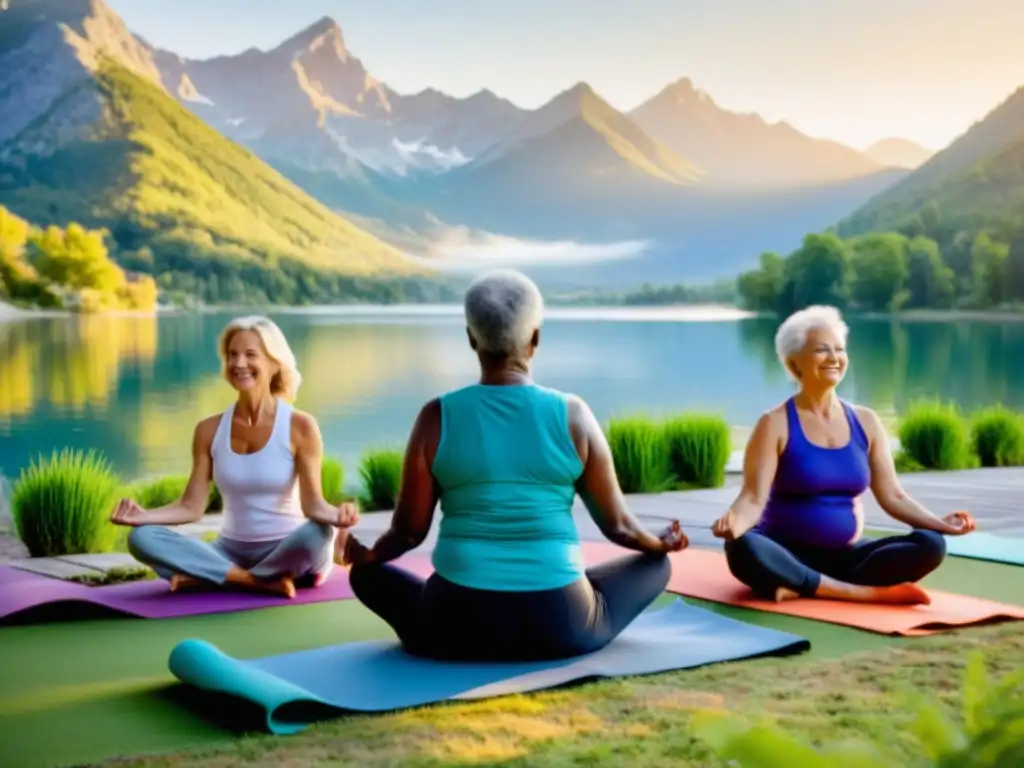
x,y
307,553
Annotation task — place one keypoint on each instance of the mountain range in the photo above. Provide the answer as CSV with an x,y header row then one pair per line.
x,y
298,153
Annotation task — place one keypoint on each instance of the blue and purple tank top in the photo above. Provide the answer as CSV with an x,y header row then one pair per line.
x,y
815,498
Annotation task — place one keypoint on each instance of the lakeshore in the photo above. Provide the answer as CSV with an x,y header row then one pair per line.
x,y
554,309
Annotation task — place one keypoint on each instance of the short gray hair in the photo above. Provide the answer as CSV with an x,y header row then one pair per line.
x,y
503,309
792,334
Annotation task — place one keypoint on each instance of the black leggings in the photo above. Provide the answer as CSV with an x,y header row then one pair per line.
x,y
764,564
442,620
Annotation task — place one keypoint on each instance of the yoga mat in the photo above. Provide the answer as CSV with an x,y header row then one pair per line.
x,y
295,688
987,546
66,699
705,574
29,598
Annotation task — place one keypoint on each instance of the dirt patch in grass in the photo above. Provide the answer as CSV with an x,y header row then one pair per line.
x,y
647,721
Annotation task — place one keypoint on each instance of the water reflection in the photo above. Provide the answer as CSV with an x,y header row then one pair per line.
x,y
135,387
70,364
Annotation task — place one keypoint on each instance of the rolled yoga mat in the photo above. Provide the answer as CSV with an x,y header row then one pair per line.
x,y
31,598
704,574
987,546
296,688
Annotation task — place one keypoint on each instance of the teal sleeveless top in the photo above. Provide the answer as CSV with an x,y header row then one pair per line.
x,y
507,469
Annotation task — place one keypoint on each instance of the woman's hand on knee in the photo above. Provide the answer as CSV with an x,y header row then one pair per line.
x,y
128,512
730,526
673,538
348,515
958,523
353,552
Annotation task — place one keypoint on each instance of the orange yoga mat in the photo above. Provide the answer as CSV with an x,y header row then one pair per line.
x,y
704,574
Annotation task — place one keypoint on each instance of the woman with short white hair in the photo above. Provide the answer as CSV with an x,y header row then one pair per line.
x,y
505,458
795,528
265,457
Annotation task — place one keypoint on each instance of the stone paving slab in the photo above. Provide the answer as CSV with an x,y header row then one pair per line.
x,y
104,561
55,567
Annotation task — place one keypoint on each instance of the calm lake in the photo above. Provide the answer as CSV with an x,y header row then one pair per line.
x,y
134,388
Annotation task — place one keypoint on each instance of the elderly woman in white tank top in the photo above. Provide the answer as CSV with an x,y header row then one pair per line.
x,y
265,458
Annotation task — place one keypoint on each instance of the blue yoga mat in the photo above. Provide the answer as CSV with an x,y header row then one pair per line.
x,y
987,546
378,676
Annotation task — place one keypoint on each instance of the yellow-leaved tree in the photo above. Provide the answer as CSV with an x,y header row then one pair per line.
x,y
17,278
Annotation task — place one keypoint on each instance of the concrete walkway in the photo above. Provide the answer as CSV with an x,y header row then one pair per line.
x,y
994,496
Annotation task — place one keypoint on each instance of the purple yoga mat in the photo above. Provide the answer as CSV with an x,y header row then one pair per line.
x,y
23,594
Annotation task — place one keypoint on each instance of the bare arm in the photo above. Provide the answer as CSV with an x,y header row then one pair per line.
x,y
192,504
885,482
418,495
308,444
598,486
760,462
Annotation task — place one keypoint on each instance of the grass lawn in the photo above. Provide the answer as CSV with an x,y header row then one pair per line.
x,y
644,721
77,694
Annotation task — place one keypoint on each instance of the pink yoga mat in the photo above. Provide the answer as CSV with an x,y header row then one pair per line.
x,y
28,597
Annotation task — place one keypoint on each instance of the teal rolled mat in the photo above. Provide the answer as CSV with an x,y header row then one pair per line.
x,y
987,546
296,688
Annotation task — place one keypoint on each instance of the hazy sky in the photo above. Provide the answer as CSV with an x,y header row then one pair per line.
x,y
851,70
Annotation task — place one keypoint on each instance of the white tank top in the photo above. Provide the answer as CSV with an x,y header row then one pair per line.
x,y
260,490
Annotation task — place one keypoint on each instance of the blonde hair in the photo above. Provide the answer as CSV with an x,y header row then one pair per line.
x,y
285,383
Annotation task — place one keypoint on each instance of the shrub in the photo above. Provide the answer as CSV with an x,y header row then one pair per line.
x,y
936,436
906,463
698,449
640,455
332,476
998,437
991,734
62,506
381,473
157,492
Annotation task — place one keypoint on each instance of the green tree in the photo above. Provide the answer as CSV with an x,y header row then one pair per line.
x,y
759,289
816,273
879,267
1015,270
988,271
930,282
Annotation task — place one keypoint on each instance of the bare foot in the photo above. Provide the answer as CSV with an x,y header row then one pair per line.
x,y
902,594
899,594
181,582
782,594
241,578
283,586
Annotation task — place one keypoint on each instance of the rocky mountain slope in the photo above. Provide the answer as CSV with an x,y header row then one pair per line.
x,y
744,149
89,134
